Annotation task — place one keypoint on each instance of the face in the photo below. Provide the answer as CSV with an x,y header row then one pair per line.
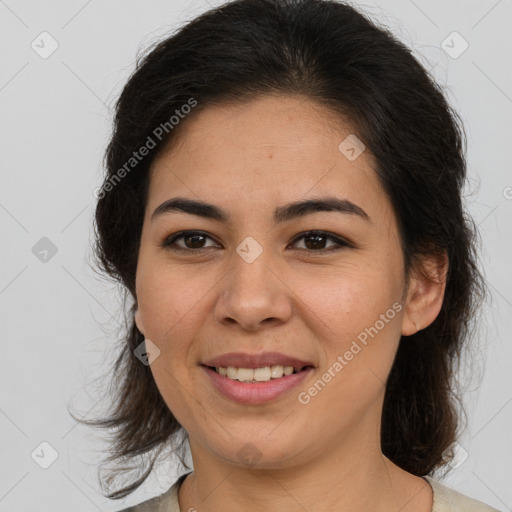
x,y
254,282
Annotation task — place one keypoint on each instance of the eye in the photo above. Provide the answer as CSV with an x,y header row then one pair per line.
x,y
314,241
193,240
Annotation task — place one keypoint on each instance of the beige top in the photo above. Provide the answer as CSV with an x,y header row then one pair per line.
x,y
445,500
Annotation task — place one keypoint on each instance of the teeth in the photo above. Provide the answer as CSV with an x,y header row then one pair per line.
x,y
263,374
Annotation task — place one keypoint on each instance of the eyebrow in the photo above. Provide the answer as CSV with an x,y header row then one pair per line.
x,y
281,214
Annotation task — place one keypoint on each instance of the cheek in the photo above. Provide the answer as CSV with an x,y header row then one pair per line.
x,y
356,317
358,354
347,300
170,298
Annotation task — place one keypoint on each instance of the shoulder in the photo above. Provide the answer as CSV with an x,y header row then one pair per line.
x,y
166,502
450,500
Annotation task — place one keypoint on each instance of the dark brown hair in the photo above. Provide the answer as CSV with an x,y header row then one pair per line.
x,y
328,52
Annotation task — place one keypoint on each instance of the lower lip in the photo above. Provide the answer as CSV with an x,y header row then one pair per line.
x,y
256,392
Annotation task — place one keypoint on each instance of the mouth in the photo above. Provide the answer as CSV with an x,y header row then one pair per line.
x,y
261,374
257,386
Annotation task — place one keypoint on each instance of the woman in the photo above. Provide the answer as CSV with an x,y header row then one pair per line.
x,y
283,204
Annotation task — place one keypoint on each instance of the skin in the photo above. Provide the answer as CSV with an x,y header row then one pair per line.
x,y
296,297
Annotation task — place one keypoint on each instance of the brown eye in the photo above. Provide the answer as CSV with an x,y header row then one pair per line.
x,y
315,241
192,240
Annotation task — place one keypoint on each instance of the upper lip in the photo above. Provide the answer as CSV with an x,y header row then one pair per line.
x,y
243,360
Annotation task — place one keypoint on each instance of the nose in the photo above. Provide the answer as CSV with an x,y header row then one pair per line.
x,y
253,294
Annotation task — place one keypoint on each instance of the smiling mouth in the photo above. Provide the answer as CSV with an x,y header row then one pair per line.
x,y
253,375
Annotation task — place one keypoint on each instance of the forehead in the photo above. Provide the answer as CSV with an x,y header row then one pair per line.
x,y
268,150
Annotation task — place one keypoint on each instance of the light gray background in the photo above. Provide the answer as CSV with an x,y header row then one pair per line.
x,y
59,319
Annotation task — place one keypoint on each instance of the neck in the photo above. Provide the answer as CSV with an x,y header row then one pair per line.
x,y
354,476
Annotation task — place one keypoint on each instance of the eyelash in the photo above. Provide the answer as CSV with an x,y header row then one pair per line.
x,y
167,243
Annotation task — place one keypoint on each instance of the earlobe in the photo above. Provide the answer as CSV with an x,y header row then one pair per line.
x,y
425,294
138,321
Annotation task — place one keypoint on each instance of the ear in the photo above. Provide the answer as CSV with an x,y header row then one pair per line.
x,y
138,321
425,293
